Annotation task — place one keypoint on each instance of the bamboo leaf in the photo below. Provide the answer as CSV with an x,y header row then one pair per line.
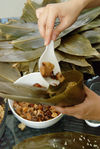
x,y
76,60
77,45
95,23
8,72
31,42
66,93
93,35
17,55
13,31
29,11
82,20
60,140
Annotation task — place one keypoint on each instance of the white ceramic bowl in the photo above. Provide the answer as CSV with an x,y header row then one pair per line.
x,y
30,80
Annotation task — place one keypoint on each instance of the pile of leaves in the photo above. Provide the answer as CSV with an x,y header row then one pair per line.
x,y
76,47
21,45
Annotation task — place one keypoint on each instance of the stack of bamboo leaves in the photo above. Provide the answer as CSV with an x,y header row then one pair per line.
x,y
21,44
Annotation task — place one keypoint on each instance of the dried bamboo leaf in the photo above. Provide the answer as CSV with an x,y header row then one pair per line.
x,y
96,46
36,69
60,140
88,70
13,31
26,67
76,60
65,93
74,45
93,35
5,44
21,93
29,11
95,23
65,66
8,72
31,41
2,38
45,2
83,19
16,55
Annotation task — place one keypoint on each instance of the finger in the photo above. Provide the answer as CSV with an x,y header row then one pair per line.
x,y
42,22
50,26
88,91
62,26
39,11
69,111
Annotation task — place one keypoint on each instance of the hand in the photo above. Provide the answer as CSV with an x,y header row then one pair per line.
x,y
67,12
88,110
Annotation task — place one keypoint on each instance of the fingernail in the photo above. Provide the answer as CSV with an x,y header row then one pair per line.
x,y
45,43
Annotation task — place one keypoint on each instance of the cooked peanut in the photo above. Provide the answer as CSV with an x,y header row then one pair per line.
x,y
35,112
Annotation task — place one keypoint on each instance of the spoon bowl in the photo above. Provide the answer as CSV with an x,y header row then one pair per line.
x,y
49,56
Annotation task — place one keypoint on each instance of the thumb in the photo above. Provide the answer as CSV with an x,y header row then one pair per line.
x,y
89,92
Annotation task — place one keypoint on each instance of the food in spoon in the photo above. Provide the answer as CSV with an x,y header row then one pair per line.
x,y
47,71
60,77
1,112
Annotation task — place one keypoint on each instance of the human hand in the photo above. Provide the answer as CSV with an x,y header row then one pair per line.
x,y
88,110
67,12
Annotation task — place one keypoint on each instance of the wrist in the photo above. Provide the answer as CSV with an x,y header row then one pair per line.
x,y
82,4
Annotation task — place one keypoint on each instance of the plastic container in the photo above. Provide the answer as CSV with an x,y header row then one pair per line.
x,y
96,88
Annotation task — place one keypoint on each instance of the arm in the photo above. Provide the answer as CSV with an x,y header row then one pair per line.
x,y
93,4
67,12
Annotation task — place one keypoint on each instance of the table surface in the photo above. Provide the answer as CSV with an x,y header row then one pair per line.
x,y
67,123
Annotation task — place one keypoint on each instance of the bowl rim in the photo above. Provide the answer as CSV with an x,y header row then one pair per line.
x,y
92,124
41,122
5,113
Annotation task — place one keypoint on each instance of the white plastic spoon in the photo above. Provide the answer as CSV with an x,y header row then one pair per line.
x,y
49,56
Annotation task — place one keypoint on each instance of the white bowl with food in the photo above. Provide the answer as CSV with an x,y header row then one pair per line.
x,y
32,120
